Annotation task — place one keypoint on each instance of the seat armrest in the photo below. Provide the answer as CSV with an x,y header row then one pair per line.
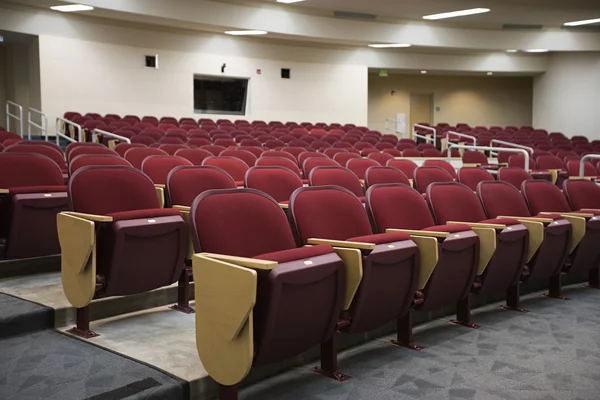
x,y
352,259
185,214
590,210
343,244
487,241
251,263
4,191
225,299
89,217
478,225
160,193
578,223
182,208
411,232
428,257
535,226
284,206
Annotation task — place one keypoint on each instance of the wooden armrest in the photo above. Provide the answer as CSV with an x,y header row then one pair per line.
x,y
182,208
160,192
343,243
77,238
578,223
354,272
185,214
251,263
428,259
225,299
284,206
591,210
534,219
419,233
478,225
572,214
535,226
4,191
89,217
589,178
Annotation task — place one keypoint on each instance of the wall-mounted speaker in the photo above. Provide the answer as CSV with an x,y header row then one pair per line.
x,y
152,61
285,73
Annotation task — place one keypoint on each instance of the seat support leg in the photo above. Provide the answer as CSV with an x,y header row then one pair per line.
x,y
404,333
329,365
183,292
228,392
463,313
513,300
82,329
555,288
594,278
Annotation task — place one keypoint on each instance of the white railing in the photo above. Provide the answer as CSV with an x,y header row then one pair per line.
x,y
43,126
95,133
515,145
66,123
448,133
427,138
398,133
18,117
583,160
486,148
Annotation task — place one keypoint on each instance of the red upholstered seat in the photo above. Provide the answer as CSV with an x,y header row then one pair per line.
x,y
514,176
85,160
445,165
389,273
27,214
233,166
54,155
122,148
343,158
381,238
500,221
312,162
141,214
278,182
339,176
184,184
382,175
284,256
360,166
406,166
158,167
279,162
454,228
97,150
136,156
471,176
424,176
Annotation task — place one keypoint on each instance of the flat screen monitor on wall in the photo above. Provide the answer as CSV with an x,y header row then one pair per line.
x,y
219,95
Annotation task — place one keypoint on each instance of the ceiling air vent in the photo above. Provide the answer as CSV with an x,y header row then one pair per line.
x,y
353,15
583,28
521,27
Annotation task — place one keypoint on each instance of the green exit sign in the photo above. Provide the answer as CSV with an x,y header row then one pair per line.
x,y
383,73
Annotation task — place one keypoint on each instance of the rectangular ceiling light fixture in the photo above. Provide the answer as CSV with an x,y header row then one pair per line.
x,y
388,45
289,1
584,22
72,8
455,14
246,33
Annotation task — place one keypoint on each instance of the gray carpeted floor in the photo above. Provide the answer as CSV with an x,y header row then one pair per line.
x,y
550,353
39,363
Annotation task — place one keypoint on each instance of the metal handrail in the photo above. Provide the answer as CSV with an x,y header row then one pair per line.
x,y
473,138
398,133
95,133
427,138
15,116
43,121
486,148
67,123
518,146
583,160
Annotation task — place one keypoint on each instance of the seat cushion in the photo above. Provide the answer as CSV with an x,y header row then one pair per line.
x,y
297,254
500,221
142,214
454,228
586,212
37,189
381,238
555,217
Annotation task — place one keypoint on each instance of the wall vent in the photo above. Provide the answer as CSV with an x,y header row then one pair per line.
x,y
522,27
353,15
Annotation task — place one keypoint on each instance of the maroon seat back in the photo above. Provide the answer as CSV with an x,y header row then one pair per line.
x,y
33,170
550,162
515,176
543,196
122,148
276,181
501,198
310,163
406,166
397,206
453,201
233,166
184,184
85,160
573,167
214,149
195,156
137,155
424,176
471,176
308,154
381,158
382,175
158,167
245,156
442,164
171,149
338,176
582,193
57,157
360,166
95,150
279,162
343,158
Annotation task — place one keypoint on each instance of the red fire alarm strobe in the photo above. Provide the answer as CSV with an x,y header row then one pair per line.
x,y
258,71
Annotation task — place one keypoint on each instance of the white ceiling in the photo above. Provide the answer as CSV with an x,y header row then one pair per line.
x,y
550,13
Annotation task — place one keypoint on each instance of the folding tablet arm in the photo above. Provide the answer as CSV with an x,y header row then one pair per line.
x,y
535,226
578,222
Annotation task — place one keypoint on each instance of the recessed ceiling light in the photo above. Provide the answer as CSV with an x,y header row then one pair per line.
x,y
460,13
536,50
583,22
490,73
389,45
289,1
423,72
1,38
512,51
243,33
72,8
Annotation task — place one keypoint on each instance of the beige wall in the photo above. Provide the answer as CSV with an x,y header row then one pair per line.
x,y
473,100
567,96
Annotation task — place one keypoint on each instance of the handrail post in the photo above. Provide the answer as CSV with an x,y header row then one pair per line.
x,y
395,130
43,126
582,163
489,148
10,115
95,133
473,138
515,145
61,135
429,128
